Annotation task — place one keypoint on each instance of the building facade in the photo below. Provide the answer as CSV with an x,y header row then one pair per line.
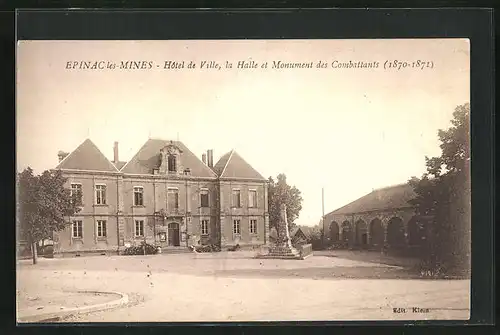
x,y
165,196
382,218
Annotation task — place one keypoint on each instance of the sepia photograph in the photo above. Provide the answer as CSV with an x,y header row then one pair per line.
x,y
243,180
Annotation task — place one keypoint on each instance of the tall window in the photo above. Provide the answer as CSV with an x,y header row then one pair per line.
x,y
138,196
76,194
100,194
253,226
77,229
139,228
173,198
252,198
101,228
236,198
236,227
204,227
172,163
204,198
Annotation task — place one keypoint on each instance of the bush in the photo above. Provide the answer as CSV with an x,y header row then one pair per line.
x,y
234,248
338,245
207,248
144,247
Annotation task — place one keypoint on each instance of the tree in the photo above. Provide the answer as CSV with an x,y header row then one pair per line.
x,y
44,205
281,193
443,198
317,237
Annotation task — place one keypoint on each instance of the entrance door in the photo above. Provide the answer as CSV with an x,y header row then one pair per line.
x,y
173,234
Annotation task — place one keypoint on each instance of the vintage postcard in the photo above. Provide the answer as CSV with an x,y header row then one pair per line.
x,y
243,180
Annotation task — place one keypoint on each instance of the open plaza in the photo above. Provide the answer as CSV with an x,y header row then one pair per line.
x,y
235,286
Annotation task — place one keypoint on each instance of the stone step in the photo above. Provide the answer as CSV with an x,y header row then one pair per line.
x,y
298,257
175,250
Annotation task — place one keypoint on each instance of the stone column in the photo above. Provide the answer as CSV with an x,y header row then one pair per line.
x,y
119,213
266,228
222,230
384,227
384,246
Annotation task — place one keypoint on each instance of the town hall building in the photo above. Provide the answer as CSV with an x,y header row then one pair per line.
x,y
165,196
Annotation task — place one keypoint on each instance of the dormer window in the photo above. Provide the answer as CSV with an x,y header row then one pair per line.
x,y
170,160
172,163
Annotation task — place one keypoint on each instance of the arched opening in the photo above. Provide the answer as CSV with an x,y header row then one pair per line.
x,y
416,232
334,232
346,231
376,233
396,233
361,236
173,234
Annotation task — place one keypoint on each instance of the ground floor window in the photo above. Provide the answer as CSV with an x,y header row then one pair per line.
x,y
236,227
204,227
139,228
101,228
77,229
253,226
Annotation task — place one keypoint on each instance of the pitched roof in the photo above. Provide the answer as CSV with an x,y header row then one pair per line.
x,y
148,158
221,164
232,165
381,199
87,156
306,231
119,164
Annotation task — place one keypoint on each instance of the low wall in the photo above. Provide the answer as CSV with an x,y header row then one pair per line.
x,y
305,250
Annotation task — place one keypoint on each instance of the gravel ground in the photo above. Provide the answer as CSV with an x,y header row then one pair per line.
x,y
234,287
41,298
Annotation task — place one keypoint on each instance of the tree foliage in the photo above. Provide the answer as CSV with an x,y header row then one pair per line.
x,y
44,204
443,198
281,193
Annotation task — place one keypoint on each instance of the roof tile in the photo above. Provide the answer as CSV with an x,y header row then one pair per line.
x,y
87,156
232,165
148,158
385,198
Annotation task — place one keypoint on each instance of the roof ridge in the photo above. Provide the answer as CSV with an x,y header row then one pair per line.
x,y
132,158
69,154
79,146
391,186
227,162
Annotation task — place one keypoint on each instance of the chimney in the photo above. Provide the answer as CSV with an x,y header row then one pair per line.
x,y
61,155
210,158
204,158
115,153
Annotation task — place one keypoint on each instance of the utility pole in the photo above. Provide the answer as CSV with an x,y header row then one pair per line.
x,y
323,213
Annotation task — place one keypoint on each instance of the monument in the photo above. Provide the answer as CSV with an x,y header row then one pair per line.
x,y
282,248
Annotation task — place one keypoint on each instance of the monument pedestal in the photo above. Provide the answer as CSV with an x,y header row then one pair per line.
x,y
283,248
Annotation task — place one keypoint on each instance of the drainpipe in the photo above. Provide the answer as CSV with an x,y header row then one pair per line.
x,y
185,210
265,205
154,212
117,215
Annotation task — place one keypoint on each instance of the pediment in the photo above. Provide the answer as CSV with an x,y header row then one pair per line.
x,y
171,149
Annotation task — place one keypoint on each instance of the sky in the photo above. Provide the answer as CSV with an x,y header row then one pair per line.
x,y
346,130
